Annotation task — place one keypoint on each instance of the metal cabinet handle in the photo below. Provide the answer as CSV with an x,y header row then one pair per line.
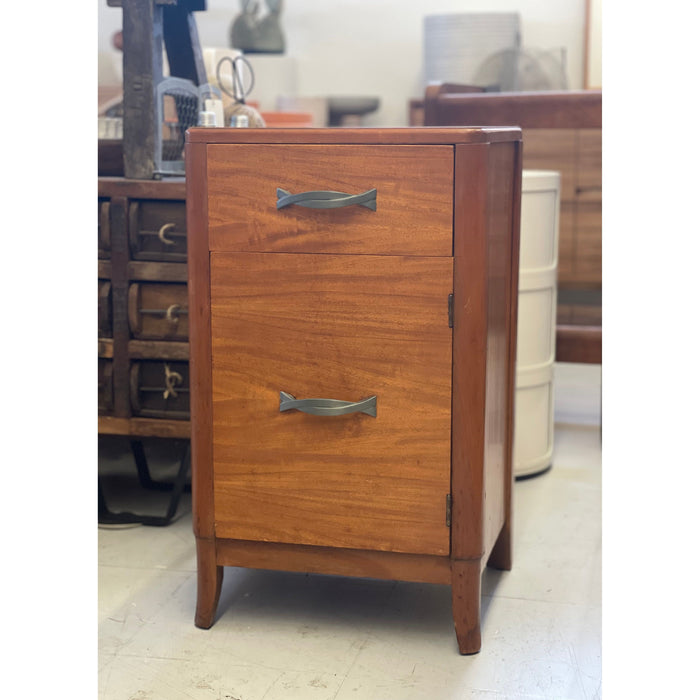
x,y
328,407
162,233
327,199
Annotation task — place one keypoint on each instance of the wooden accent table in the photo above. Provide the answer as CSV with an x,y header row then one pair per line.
x,y
353,299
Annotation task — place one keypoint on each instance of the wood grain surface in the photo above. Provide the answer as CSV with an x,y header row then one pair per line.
x,y
414,199
158,311
342,327
335,561
356,136
200,342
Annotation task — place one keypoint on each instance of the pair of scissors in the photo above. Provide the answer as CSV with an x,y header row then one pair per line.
x,y
242,78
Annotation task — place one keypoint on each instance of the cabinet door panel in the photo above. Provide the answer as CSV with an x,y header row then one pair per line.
x,y
336,327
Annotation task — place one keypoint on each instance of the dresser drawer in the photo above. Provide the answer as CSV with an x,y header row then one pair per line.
x,y
103,230
104,308
288,328
160,389
158,311
105,386
158,230
405,194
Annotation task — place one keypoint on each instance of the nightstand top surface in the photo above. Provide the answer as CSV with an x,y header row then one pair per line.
x,y
340,135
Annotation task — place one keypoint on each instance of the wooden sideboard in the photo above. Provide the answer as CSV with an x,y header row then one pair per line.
x,y
562,131
143,343
143,346
353,303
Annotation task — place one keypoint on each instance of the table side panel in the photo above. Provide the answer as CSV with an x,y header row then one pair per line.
x,y
200,341
503,182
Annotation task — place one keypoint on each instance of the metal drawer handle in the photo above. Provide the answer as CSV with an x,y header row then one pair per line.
x,y
327,199
172,379
162,233
328,407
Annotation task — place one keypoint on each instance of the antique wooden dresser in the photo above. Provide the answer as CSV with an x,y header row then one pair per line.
x,y
353,313
143,350
143,317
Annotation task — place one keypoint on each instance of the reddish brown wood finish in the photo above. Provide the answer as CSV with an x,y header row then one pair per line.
x,y
469,350
414,195
332,326
561,132
200,343
580,344
466,604
448,106
502,553
486,254
380,137
209,578
486,232
334,560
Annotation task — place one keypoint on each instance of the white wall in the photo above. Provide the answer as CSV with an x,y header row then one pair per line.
x,y
372,47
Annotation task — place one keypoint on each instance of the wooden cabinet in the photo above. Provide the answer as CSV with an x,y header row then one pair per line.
x,y
352,301
143,384
562,131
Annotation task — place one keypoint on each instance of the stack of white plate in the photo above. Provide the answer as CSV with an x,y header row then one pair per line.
x,y
455,45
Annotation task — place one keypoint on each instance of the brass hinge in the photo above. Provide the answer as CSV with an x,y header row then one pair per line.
x,y
448,510
450,310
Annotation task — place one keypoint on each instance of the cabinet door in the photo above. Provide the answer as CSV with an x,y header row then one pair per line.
x,y
340,327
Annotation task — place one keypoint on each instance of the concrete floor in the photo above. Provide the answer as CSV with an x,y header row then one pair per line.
x,y
294,636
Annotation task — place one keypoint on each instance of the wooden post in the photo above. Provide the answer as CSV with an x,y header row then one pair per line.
x,y
145,28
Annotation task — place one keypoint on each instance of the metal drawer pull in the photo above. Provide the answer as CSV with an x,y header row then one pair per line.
x,y
171,314
328,407
162,233
327,199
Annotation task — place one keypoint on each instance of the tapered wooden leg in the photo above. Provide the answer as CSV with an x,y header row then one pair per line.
x,y
502,552
209,578
466,604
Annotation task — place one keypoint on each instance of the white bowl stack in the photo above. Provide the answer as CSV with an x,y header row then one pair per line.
x,y
537,317
455,45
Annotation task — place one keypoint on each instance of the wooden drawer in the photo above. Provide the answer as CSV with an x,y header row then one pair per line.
x,y
158,230
414,192
104,308
345,328
105,386
160,389
103,230
158,311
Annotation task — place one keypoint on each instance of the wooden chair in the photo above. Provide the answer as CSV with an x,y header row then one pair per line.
x,y
561,131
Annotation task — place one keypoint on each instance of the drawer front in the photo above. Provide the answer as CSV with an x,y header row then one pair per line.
x,y
160,389
104,243
158,230
158,311
345,328
105,386
414,193
104,308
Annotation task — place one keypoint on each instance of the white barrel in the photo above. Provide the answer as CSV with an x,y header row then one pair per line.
x,y
537,315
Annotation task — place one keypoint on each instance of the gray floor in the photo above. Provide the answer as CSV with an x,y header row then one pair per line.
x,y
294,636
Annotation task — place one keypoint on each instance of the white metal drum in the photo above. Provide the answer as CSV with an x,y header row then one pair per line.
x,y
537,312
